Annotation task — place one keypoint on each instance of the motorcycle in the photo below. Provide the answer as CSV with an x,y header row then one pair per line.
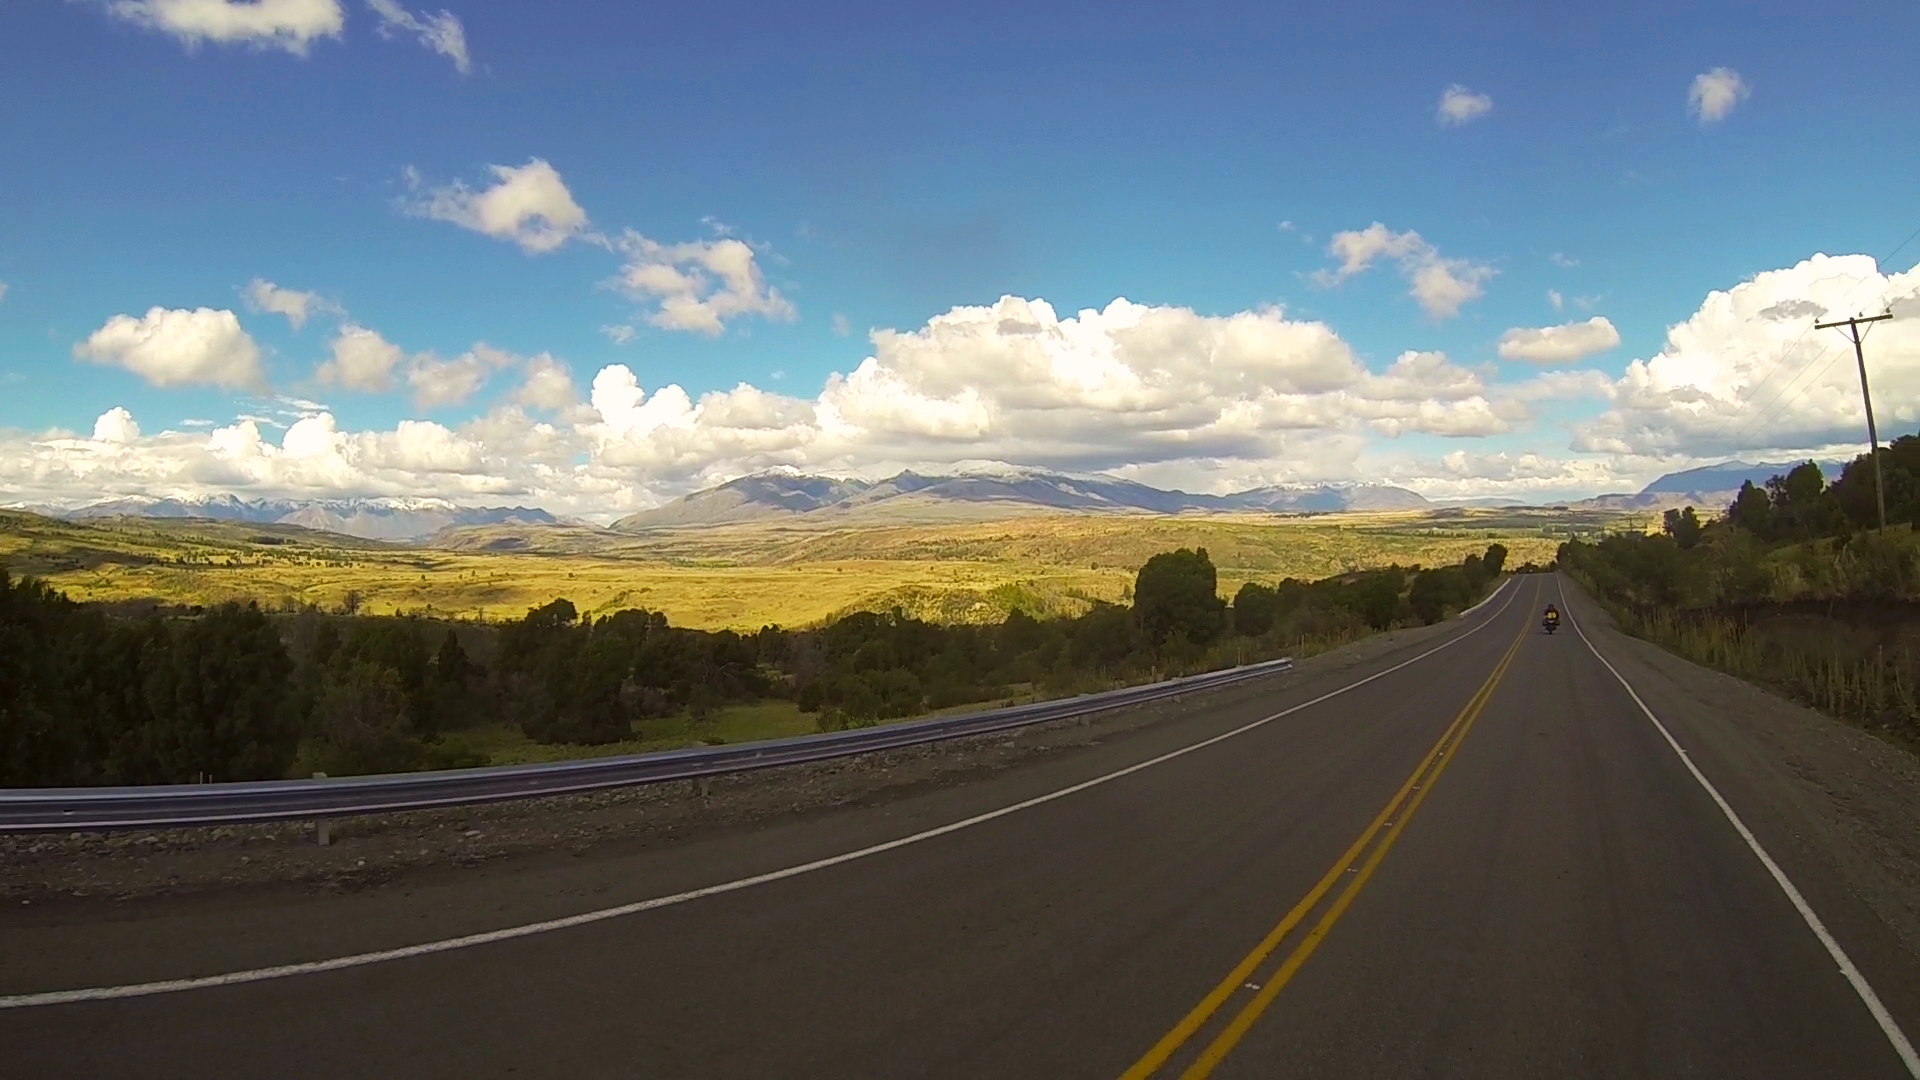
x,y
1550,624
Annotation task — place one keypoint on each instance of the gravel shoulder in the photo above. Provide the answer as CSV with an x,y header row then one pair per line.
x,y
62,870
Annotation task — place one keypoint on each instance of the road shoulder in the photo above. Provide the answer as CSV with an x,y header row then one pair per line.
x,y
1838,808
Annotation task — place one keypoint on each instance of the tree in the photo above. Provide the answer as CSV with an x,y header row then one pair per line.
x,y
1475,568
1255,607
219,702
558,613
1436,591
39,742
1377,596
450,664
1495,559
1103,637
1178,592
1853,492
1683,526
1752,510
1020,632
1802,506
362,716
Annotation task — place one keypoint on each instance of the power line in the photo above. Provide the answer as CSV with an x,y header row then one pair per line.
x,y
1755,421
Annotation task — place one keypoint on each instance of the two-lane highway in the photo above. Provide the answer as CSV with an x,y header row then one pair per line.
x,y
1484,860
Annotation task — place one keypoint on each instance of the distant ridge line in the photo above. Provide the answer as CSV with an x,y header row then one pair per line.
x,y
912,496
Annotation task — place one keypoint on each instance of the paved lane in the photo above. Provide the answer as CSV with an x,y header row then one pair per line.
x,y
1569,903
1564,900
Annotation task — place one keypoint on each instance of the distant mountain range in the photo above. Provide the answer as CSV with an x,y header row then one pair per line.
x,y
906,497
370,519
1709,487
912,496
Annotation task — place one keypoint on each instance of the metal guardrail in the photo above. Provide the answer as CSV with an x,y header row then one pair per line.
x,y
174,805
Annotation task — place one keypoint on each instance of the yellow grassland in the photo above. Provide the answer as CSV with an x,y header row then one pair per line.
x,y
744,576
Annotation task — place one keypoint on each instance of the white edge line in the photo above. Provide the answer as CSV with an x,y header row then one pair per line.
x,y
314,967
1888,1025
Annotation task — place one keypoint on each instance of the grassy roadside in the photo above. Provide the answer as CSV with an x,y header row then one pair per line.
x,y
502,743
506,744
1861,674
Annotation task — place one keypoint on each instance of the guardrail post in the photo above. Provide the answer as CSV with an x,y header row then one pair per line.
x,y
320,830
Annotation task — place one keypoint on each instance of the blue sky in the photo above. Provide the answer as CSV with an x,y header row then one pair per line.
x,y
886,165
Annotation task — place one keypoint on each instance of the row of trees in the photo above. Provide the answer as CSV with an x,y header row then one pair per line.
x,y
1801,505
233,693
87,699
1731,593
1794,536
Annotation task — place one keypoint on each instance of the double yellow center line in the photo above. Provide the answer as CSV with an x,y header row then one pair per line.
x,y
1380,837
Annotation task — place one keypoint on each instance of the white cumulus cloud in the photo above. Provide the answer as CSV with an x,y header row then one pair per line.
x,y
1164,395
1525,475
619,333
297,306
177,347
548,385
293,25
1561,344
1714,94
528,204
1440,285
1747,374
1555,299
440,31
1459,105
116,425
698,285
365,361
361,360
437,382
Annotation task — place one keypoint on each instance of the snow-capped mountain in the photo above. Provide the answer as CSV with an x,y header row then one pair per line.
x,y
371,519
978,492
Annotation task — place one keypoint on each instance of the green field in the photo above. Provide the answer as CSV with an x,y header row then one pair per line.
x,y
743,577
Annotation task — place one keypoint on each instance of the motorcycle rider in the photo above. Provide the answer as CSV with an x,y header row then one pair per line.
x,y
1552,618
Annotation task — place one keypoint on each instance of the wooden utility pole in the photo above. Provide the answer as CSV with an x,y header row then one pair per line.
x,y
1873,437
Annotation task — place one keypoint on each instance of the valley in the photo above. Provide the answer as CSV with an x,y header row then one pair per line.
x,y
746,575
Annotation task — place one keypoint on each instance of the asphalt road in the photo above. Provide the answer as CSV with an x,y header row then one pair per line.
x,y
1486,863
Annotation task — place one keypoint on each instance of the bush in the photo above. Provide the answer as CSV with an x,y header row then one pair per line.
x,y
811,697
1177,592
363,723
1255,607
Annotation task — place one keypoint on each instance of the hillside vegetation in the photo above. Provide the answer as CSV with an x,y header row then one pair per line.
x,y
1793,585
93,696
743,577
